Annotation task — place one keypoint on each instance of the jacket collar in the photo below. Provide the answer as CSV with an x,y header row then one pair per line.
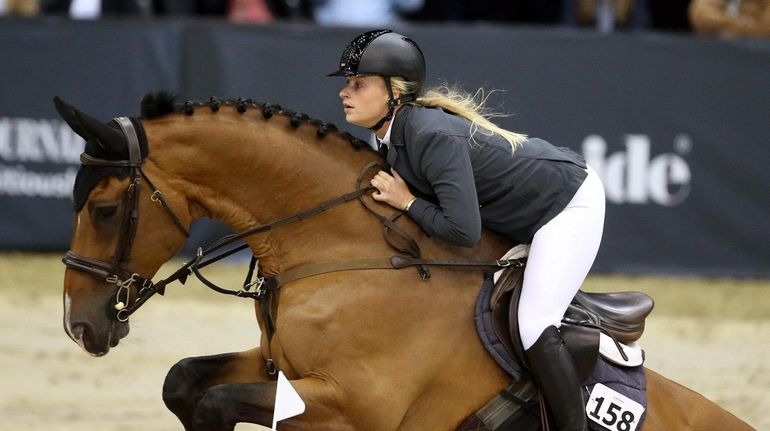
x,y
397,133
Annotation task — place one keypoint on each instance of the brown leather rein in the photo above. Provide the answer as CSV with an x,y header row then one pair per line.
x,y
116,272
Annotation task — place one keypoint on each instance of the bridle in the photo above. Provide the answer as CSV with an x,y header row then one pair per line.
x,y
117,273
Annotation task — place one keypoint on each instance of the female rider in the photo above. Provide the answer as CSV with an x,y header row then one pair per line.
x,y
454,172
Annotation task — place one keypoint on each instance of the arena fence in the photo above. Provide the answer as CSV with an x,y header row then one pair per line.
x,y
676,126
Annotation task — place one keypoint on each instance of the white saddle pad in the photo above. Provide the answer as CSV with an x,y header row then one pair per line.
x,y
609,351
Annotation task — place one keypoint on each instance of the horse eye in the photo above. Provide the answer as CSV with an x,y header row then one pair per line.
x,y
105,212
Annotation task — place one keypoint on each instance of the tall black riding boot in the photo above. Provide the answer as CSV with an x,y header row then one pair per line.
x,y
554,371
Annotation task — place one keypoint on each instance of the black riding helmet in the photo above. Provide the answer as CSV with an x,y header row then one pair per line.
x,y
384,53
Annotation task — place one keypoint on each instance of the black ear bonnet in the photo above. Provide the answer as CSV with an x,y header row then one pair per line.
x,y
89,175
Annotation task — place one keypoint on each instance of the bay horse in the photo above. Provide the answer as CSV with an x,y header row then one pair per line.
x,y
373,349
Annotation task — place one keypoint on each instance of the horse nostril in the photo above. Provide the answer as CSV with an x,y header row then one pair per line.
x,y
84,335
77,332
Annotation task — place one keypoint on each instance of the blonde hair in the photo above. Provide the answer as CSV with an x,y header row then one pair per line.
x,y
459,102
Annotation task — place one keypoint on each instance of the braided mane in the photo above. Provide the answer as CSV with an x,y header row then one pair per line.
x,y
158,104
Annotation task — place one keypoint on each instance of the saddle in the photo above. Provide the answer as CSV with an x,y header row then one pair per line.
x,y
595,323
619,316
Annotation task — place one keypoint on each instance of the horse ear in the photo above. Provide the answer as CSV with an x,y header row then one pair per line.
x,y
110,140
67,113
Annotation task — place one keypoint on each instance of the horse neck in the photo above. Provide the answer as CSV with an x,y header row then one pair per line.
x,y
244,171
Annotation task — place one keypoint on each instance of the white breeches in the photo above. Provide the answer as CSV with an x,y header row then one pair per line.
x,y
561,253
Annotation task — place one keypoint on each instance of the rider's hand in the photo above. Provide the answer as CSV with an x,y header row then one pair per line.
x,y
391,189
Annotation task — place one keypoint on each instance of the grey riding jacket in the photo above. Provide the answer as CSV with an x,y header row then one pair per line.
x,y
464,183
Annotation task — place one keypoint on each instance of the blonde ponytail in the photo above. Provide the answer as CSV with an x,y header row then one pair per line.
x,y
466,105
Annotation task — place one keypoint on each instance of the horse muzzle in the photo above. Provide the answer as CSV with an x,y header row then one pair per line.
x,y
94,337
92,342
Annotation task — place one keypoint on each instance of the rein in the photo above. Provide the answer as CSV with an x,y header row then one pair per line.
x,y
116,272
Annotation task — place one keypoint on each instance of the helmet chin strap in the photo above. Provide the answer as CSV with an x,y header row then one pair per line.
x,y
392,103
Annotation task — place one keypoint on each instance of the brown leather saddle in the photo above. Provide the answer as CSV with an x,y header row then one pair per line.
x,y
620,316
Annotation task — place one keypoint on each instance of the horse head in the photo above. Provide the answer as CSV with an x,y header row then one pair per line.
x,y
238,167
110,193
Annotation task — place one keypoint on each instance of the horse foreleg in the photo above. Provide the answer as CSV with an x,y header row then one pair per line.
x,y
225,405
188,381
